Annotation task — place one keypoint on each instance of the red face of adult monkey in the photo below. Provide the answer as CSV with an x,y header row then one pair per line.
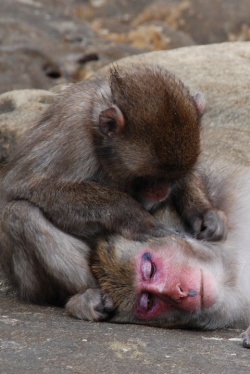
x,y
178,280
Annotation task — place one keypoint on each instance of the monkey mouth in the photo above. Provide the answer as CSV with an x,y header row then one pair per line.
x,y
202,291
152,189
208,290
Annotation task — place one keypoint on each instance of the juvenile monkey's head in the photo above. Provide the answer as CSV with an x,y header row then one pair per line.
x,y
150,129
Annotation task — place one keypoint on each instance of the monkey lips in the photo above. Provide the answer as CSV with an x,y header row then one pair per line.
x,y
157,190
166,282
153,190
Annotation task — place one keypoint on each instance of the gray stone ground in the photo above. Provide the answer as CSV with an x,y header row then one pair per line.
x,y
36,339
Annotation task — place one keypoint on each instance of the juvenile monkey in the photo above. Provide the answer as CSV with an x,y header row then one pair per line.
x,y
105,157
179,281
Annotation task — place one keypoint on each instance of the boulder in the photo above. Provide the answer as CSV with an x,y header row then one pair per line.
x,y
19,110
220,71
46,43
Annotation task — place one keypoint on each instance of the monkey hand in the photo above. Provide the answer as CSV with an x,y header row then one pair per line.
x,y
91,305
211,225
246,338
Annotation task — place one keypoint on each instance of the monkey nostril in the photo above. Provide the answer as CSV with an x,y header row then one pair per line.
x,y
192,293
181,291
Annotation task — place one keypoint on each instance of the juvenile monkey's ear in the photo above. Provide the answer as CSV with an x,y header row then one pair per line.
x,y
111,121
200,102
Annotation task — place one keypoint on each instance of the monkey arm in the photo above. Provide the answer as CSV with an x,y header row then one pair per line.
x,y
47,265
84,209
191,200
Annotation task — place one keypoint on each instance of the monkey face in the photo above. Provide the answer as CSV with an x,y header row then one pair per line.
x,y
165,282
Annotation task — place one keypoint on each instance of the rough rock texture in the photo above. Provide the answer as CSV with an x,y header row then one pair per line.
x,y
44,340
41,339
48,42
18,111
205,22
42,44
220,71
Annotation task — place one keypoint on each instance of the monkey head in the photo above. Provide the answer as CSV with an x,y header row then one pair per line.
x,y
148,129
168,282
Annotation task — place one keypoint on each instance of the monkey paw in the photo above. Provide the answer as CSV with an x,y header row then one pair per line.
x,y
212,226
91,305
246,338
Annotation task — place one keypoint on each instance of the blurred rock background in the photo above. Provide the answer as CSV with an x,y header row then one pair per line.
x,y
47,42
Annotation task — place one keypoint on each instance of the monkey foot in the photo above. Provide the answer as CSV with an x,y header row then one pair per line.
x,y
246,338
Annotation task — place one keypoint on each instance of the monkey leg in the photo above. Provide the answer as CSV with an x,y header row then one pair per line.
x,y
44,264
246,338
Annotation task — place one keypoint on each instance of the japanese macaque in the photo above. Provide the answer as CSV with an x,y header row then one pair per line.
x,y
179,281
102,160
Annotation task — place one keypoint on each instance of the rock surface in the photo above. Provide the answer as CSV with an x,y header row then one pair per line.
x,y
220,71
45,43
44,340
18,111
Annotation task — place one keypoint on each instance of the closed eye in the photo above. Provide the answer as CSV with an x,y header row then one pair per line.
x,y
148,268
152,270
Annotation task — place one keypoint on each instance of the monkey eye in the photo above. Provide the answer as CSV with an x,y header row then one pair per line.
x,y
147,267
150,301
147,301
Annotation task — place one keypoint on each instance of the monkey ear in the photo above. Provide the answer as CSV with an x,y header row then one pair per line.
x,y
111,121
200,102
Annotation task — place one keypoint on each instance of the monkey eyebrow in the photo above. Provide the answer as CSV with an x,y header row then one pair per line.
x,y
147,256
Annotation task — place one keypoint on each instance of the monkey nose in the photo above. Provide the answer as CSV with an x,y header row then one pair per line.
x,y
180,293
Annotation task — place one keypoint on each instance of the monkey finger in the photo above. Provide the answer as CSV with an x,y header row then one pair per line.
x,y
246,338
91,305
106,307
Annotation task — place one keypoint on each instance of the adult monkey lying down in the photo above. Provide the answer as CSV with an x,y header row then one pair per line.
x,y
179,281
